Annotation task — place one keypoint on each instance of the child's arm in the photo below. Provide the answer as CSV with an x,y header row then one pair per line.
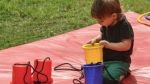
x,y
95,40
120,46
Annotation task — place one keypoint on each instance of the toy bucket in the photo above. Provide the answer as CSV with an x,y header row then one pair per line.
x,y
93,73
21,74
45,67
93,53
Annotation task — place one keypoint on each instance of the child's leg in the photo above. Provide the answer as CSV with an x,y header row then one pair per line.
x,y
117,70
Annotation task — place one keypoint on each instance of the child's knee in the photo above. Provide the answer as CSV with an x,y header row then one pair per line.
x,y
109,80
112,76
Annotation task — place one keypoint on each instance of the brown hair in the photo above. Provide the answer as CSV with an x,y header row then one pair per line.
x,y
102,8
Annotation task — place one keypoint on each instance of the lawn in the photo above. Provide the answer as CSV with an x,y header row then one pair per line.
x,y
24,21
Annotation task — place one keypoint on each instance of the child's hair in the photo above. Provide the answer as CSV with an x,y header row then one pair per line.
x,y
102,8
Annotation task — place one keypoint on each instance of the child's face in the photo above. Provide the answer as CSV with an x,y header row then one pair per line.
x,y
108,20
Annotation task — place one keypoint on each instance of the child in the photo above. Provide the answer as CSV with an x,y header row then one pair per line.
x,y
117,37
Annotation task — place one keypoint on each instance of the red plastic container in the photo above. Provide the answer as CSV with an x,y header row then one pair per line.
x,y
44,67
21,74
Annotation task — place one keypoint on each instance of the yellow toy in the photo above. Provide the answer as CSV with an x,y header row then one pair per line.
x,y
93,53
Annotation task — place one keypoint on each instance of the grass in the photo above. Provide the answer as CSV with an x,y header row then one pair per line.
x,y
139,6
24,21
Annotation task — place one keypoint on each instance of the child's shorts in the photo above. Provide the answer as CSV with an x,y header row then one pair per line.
x,y
116,70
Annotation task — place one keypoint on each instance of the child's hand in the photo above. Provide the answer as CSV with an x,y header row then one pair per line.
x,y
105,43
92,41
95,40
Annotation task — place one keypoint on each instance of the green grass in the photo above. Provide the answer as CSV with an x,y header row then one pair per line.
x,y
139,6
24,21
